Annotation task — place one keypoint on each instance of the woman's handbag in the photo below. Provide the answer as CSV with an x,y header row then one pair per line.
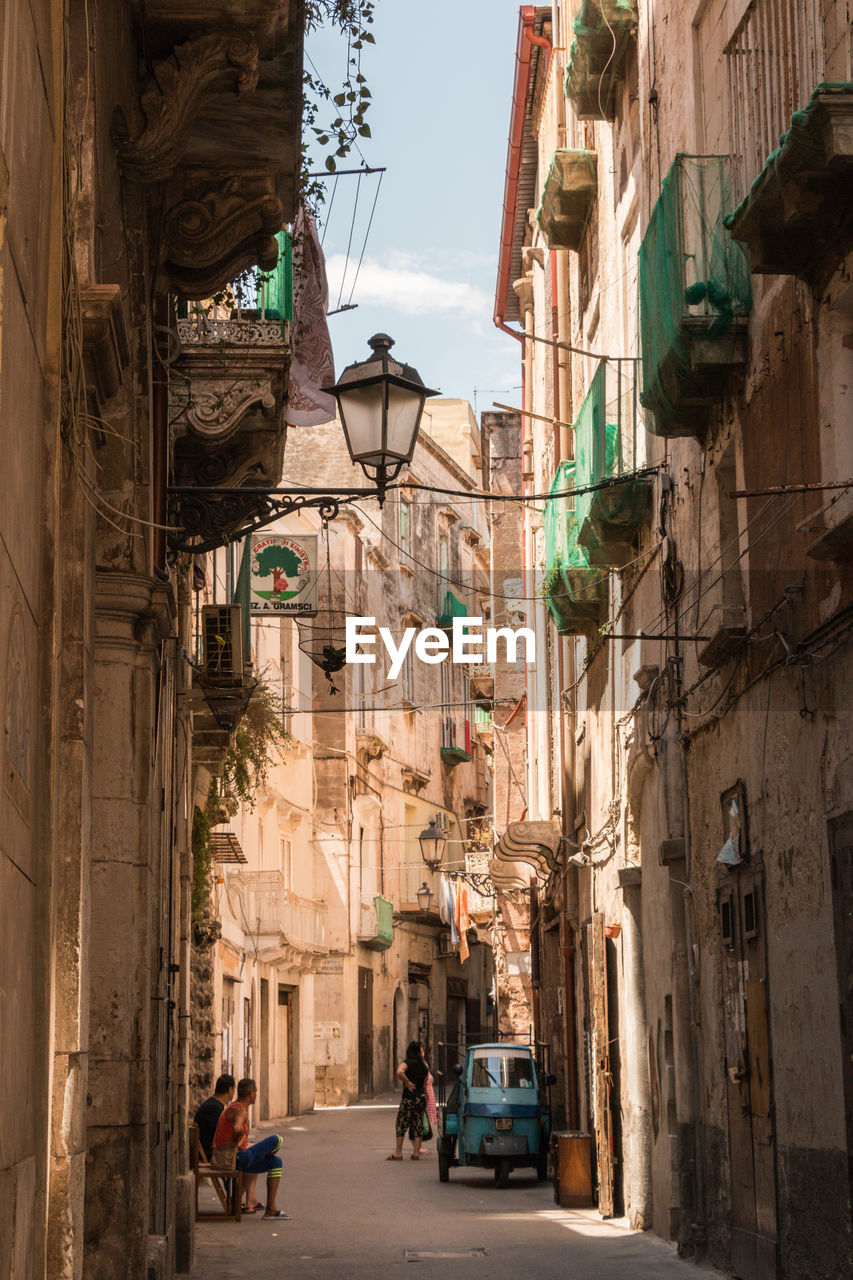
x,y
427,1128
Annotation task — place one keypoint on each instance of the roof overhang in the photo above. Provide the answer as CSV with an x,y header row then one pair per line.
x,y
522,158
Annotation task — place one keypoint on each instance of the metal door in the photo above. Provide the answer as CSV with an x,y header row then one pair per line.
x,y
752,1145
601,1077
365,1032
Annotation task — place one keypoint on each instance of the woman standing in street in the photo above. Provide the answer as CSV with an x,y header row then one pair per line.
x,y
410,1117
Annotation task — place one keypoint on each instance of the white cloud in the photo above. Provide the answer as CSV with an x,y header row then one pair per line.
x,y
403,286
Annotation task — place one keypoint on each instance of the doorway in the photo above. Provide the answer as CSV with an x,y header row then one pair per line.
x,y
264,1082
283,1052
365,1032
752,1139
399,1029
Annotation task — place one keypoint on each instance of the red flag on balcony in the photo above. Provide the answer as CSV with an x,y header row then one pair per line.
x,y
312,365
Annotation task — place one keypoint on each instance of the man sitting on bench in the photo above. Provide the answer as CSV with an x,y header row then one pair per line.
x,y
232,1132
207,1116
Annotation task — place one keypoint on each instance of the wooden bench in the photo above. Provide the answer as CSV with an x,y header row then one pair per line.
x,y
227,1183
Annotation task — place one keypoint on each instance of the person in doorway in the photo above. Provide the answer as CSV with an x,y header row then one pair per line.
x,y
207,1115
231,1143
410,1116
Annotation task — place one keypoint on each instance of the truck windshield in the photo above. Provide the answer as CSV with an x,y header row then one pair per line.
x,y
502,1070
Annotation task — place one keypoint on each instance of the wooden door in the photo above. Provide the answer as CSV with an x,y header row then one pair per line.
x,y
282,1053
601,1077
752,1144
365,1032
265,1063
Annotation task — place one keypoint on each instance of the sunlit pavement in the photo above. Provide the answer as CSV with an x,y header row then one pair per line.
x,y
357,1216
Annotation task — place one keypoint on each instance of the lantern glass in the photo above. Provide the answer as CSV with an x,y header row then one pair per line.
x,y
404,415
362,413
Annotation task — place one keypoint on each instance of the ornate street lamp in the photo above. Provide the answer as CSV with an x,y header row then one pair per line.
x,y
380,402
424,897
432,841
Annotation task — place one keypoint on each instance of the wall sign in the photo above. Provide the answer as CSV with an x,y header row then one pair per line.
x,y
283,575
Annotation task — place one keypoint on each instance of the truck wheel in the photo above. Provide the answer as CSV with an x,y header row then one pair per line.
x,y
542,1165
502,1171
443,1167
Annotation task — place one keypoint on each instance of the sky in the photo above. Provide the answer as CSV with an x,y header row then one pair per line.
x,y
441,78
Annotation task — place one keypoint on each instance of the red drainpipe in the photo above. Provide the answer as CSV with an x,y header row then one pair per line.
x,y
526,37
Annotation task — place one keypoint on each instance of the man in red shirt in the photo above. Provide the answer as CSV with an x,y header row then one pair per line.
x,y
232,1132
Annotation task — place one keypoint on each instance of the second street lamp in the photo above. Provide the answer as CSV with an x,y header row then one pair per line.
x,y
432,841
424,897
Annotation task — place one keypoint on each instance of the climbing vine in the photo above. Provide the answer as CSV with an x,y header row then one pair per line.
x,y
336,119
258,742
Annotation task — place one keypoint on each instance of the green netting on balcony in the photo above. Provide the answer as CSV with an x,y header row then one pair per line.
x,y
597,55
695,294
606,429
573,589
451,608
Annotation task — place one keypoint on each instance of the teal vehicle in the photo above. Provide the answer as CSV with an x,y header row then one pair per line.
x,y
494,1111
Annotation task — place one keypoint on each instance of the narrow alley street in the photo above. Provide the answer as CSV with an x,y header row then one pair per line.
x,y
356,1216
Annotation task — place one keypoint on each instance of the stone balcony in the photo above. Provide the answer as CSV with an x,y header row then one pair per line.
x,y
568,198
228,389
290,930
215,143
796,218
596,59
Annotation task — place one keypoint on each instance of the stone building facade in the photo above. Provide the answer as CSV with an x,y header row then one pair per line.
x,y
145,152
392,754
681,301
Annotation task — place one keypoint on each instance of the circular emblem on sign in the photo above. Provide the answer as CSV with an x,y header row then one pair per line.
x,y
279,568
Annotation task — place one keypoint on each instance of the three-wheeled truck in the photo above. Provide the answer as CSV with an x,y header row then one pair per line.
x,y
494,1111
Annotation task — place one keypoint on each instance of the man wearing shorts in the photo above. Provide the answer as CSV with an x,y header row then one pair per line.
x,y
232,1132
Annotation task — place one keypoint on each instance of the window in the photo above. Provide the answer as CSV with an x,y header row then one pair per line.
x,y
408,677
774,59
286,863
359,694
501,1071
405,528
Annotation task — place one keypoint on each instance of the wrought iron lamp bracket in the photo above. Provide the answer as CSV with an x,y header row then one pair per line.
x,y
202,519
479,880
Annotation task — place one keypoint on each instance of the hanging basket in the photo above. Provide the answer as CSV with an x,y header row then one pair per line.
x,y
323,639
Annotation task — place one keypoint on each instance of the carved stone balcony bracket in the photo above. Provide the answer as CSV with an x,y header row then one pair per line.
x,y
217,231
105,342
176,94
414,780
214,411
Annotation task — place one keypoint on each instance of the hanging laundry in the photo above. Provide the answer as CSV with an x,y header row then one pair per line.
x,y
463,921
445,901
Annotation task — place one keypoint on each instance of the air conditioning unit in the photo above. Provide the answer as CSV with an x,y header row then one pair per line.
x,y
445,946
222,642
